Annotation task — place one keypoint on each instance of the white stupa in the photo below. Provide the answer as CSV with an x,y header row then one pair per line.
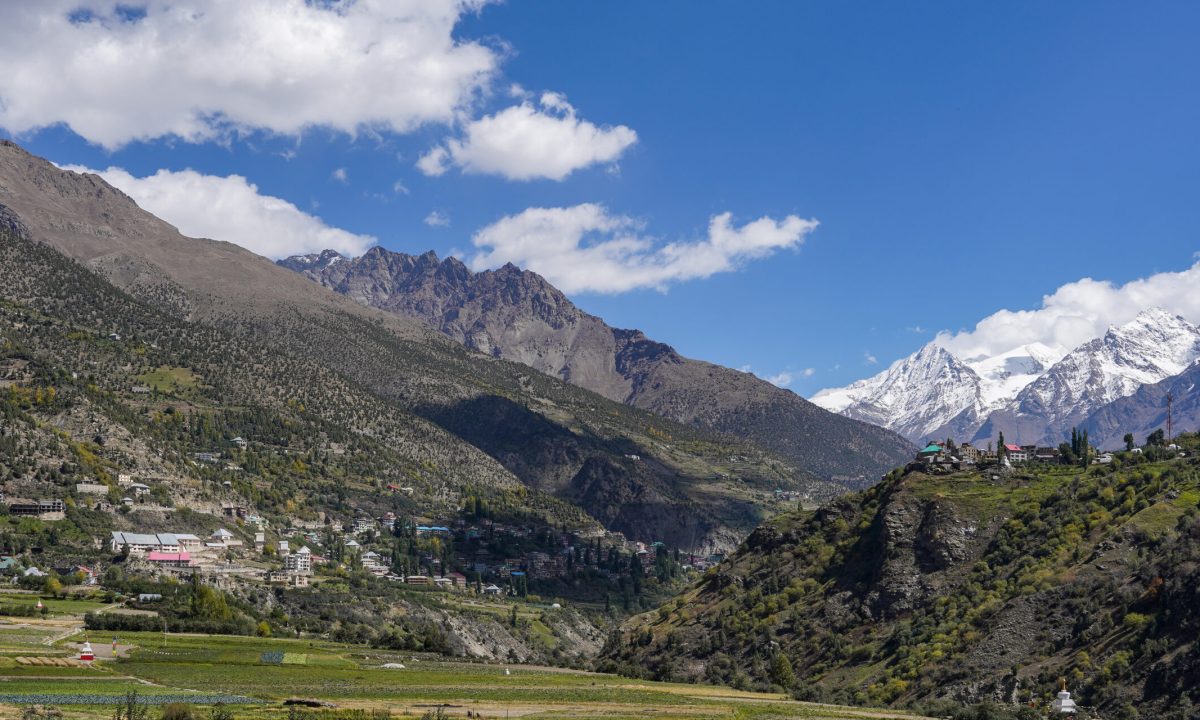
x,y
1063,704
85,653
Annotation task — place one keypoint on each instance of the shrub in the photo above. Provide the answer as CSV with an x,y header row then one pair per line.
x,y
178,711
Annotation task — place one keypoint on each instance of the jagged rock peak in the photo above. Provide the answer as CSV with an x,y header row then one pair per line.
x,y
516,314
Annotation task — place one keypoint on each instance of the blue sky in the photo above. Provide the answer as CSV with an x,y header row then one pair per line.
x,y
960,158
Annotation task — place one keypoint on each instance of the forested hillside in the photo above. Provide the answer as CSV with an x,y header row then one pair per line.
x,y
966,586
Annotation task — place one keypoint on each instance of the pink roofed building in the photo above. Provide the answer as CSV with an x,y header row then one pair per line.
x,y
1016,453
170,559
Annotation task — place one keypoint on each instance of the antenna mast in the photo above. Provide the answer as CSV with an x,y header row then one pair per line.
x,y
1170,435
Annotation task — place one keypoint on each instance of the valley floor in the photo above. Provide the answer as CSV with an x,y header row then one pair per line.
x,y
254,676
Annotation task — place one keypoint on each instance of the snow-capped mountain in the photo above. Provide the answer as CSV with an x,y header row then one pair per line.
x,y
916,396
1032,393
1152,347
1006,374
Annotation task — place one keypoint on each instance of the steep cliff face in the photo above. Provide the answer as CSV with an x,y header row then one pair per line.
x,y
961,586
515,314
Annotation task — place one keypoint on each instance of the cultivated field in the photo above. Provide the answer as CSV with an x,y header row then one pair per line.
x,y
255,676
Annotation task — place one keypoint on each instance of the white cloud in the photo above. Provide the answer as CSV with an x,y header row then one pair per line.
x,y
782,379
809,372
870,359
437,218
232,209
435,162
1078,312
584,248
399,188
200,70
524,142
341,175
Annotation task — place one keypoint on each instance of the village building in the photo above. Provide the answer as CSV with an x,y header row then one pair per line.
x,y
1046,454
170,559
299,580
299,561
40,509
1016,453
222,538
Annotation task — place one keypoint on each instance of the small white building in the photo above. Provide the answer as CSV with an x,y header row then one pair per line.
x,y
222,538
1063,704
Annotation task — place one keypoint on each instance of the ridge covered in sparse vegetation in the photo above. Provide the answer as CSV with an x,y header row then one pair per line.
x,y
966,586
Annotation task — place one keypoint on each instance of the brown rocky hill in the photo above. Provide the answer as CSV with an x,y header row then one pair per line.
x,y
450,416
516,315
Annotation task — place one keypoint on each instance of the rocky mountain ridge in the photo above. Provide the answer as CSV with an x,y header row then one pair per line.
x,y
515,314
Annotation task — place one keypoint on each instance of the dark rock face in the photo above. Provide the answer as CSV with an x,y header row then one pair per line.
x,y
516,315
921,541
